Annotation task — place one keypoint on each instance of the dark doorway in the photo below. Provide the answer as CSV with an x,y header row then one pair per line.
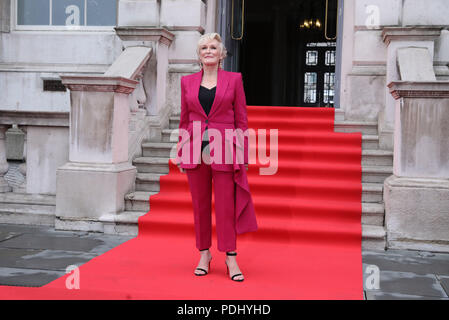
x,y
287,50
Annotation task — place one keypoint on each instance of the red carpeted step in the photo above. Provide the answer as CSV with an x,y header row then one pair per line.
x,y
286,187
295,228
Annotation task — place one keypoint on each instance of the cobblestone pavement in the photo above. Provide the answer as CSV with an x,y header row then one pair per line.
x,y
33,256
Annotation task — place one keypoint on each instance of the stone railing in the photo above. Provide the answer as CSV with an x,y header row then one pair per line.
x,y
47,137
111,114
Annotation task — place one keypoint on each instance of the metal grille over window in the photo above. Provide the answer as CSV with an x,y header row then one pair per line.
x,y
54,85
310,82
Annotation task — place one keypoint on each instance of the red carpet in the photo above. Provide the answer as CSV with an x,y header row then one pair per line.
x,y
308,245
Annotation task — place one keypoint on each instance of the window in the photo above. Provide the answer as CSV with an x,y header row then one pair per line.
x,y
311,58
310,82
329,86
66,14
330,58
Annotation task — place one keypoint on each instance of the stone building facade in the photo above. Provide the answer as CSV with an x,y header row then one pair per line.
x,y
85,83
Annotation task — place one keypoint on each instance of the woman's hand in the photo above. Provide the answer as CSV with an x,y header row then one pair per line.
x,y
181,169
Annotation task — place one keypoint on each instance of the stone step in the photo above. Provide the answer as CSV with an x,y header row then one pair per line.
x,y
372,192
339,114
122,223
148,182
158,149
365,127
370,142
138,201
376,174
373,214
167,133
26,198
151,165
173,122
377,158
373,233
28,209
373,237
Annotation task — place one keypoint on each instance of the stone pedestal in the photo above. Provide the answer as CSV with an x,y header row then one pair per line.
x,y
417,213
98,176
86,191
396,38
417,195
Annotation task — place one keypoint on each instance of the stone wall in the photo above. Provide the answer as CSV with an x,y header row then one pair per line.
x,y
365,53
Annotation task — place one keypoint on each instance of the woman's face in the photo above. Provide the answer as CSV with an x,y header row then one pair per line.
x,y
210,53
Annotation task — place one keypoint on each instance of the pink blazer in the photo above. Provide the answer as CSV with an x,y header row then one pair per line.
x,y
228,112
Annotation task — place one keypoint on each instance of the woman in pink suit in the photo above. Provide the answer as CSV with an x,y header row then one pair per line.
x,y
213,103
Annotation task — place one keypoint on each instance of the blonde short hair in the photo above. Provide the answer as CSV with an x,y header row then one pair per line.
x,y
211,36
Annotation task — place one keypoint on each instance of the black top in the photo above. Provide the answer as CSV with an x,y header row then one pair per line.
x,y
206,97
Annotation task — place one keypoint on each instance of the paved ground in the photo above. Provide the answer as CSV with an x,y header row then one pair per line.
x,y
34,256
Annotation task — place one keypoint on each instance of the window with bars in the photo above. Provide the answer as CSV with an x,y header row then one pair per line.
x,y
68,13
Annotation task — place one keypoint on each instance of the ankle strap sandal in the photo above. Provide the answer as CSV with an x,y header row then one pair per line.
x,y
227,268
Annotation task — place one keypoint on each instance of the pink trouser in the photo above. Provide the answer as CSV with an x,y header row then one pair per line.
x,y
200,183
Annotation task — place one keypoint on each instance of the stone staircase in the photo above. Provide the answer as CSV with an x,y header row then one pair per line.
x,y
377,165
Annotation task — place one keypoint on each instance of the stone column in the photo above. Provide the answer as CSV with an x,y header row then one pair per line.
x,y
4,187
417,194
98,175
396,38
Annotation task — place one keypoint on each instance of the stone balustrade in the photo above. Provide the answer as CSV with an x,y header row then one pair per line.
x,y
46,148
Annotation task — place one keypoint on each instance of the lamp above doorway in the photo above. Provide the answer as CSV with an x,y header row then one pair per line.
x,y
310,19
311,24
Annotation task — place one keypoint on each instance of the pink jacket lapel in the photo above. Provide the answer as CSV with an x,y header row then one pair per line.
x,y
222,85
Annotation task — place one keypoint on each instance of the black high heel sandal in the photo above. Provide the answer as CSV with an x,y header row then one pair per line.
x,y
227,268
205,271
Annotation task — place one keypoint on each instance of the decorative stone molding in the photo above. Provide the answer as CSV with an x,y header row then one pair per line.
x,y
424,89
35,118
161,35
99,83
410,34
